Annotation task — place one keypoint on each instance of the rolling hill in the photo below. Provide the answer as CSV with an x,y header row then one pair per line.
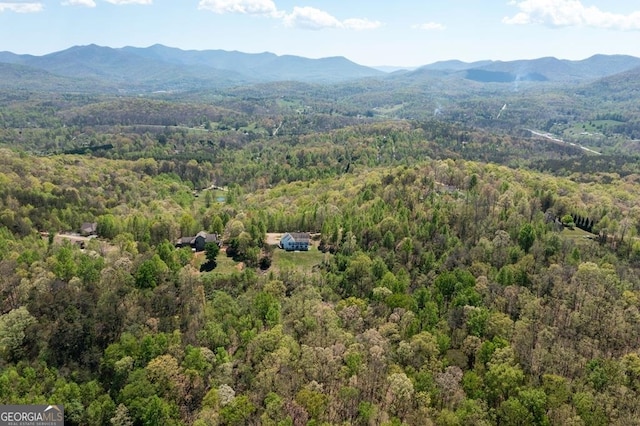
x,y
21,77
162,68
260,66
158,68
621,87
541,69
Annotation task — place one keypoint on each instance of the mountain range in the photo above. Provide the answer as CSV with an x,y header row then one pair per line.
x,y
162,68
542,69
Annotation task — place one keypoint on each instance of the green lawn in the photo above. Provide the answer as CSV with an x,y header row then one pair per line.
x,y
593,128
303,261
576,234
226,265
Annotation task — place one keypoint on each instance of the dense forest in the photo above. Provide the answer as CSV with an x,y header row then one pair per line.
x,y
463,269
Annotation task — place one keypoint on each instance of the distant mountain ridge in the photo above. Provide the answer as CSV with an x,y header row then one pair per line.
x,y
162,68
261,66
541,69
615,87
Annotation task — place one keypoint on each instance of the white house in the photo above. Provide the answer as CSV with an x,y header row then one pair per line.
x,y
295,241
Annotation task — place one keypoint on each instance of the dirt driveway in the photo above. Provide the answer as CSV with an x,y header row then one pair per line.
x,y
273,238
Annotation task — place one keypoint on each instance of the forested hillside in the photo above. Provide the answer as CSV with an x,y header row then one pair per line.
x,y
443,296
466,266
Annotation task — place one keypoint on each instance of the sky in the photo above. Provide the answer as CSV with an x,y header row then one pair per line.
x,y
404,33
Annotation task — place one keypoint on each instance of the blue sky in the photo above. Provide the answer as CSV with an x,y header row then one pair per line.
x,y
369,32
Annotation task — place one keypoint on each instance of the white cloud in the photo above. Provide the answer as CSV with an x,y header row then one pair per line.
x,y
130,1
21,7
430,26
311,18
251,7
564,13
87,3
305,17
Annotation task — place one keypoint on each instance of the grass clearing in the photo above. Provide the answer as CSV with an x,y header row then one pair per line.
x,y
226,264
302,261
388,110
593,128
577,234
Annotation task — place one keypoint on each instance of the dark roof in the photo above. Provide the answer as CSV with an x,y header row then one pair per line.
x,y
300,237
89,227
208,238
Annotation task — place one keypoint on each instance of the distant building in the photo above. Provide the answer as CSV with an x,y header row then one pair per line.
x,y
198,242
89,228
295,241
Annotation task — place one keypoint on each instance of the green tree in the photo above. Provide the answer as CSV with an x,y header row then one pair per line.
x,y
526,237
513,412
313,399
504,376
567,220
238,412
167,253
267,308
216,227
12,332
211,251
150,272
157,411
65,266
188,225
108,226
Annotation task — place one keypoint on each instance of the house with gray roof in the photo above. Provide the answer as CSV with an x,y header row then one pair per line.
x,y
198,242
295,241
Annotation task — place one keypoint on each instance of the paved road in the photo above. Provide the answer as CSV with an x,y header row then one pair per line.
x,y
557,139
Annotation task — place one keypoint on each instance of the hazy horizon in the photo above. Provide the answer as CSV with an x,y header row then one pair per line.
x,y
405,34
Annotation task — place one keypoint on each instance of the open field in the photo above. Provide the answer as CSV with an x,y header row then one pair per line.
x,y
302,261
577,234
226,264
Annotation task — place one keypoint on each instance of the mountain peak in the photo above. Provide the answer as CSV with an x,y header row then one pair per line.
x,y
168,66
159,67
